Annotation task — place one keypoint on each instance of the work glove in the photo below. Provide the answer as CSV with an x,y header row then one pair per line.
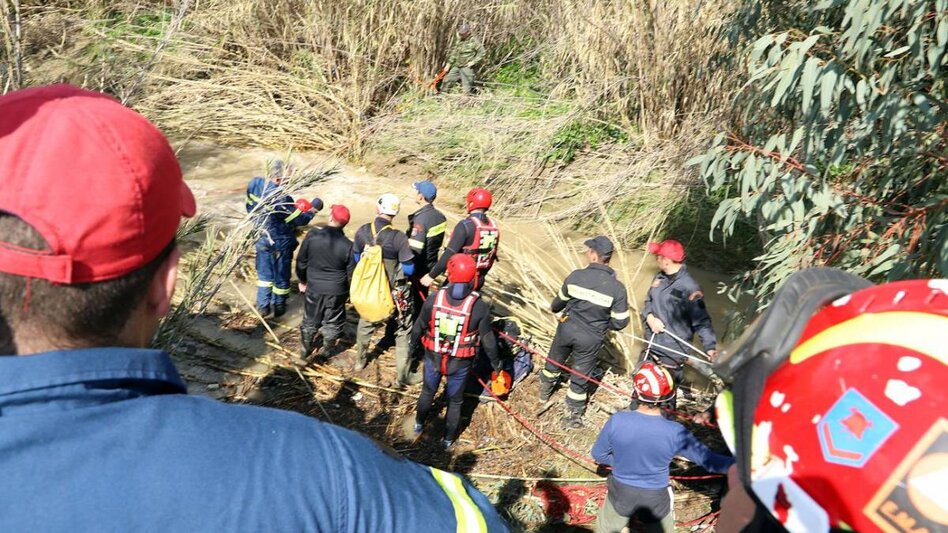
x,y
303,205
500,382
317,204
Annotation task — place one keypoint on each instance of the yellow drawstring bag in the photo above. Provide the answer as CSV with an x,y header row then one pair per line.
x,y
370,292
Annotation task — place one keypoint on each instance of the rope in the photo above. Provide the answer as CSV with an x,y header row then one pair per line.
x,y
577,457
686,343
610,388
550,441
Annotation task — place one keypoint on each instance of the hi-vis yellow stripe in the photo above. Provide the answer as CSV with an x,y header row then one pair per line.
x,y
921,332
620,316
466,513
587,295
434,231
418,245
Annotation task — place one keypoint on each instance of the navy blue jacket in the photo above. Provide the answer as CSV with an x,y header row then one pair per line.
x,y
278,216
679,302
107,440
640,447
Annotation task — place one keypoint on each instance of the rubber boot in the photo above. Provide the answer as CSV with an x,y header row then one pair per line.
x,y
546,390
279,310
306,342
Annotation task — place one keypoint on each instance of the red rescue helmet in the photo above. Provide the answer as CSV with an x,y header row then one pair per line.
x,y
479,198
653,384
303,205
461,268
838,411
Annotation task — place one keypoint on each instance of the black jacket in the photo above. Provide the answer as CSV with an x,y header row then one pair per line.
x,y
678,301
594,297
480,318
325,262
426,229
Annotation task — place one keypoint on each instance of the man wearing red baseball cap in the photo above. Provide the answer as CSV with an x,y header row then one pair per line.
x,y
97,432
324,267
675,303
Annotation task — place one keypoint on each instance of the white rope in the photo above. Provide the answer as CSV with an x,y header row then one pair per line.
x,y
666,349
686,343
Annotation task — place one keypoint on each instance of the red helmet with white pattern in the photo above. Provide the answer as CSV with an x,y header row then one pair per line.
x,y
479,199
838,411
653,384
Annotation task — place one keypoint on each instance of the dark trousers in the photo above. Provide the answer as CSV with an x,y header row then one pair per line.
x,y
326,312
456,370
584,345
273,262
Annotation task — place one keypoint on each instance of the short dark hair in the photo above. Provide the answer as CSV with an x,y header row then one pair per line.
x,y
80,315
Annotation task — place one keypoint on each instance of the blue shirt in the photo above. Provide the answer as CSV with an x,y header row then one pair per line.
x,y
107,440
640,447
279,216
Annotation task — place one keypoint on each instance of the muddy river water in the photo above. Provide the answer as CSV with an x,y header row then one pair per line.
x,y
218,177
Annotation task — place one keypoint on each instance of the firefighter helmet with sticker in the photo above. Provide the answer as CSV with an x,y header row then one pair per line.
x,y
389,204
653,384
837,413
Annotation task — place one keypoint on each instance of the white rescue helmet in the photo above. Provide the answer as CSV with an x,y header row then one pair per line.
x,y
389,204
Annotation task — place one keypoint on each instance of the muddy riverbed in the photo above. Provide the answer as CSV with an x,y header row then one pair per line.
x,y
229,354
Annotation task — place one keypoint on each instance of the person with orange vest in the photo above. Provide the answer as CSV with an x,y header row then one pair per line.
x,y
454,323
476,236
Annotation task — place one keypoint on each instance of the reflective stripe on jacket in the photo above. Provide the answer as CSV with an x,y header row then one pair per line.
x,y
594,297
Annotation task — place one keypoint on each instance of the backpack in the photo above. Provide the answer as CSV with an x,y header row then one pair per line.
x,y
370,291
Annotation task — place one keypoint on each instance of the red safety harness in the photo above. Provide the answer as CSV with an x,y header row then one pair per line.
x,y
484,246
449,332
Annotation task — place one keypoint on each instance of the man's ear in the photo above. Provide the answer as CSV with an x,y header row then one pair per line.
x,y
162,285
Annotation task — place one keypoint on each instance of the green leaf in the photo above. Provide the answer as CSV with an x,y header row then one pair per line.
x,y
808,82
827,89
897,52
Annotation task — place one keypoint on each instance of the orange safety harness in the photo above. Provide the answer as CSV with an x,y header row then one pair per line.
x,y
449,331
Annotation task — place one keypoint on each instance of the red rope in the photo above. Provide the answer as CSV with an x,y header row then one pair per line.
x,y
553,443
614,390
577,457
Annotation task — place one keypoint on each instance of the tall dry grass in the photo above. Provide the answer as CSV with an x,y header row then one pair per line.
x,y
311,72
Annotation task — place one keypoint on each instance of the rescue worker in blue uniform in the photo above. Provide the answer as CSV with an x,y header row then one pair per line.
x,y
453,324
477,236
675,303
97,432
278,217
639,445
592,301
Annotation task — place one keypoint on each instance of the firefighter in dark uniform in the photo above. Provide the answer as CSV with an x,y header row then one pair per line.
x,y
324,267
592,301
399,266
426,229
453,324
675,303
476,235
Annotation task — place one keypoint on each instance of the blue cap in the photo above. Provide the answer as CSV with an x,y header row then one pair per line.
x,y
426,189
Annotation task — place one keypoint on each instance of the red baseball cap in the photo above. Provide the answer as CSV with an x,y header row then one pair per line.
x,y
668,248
98,181
340,214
